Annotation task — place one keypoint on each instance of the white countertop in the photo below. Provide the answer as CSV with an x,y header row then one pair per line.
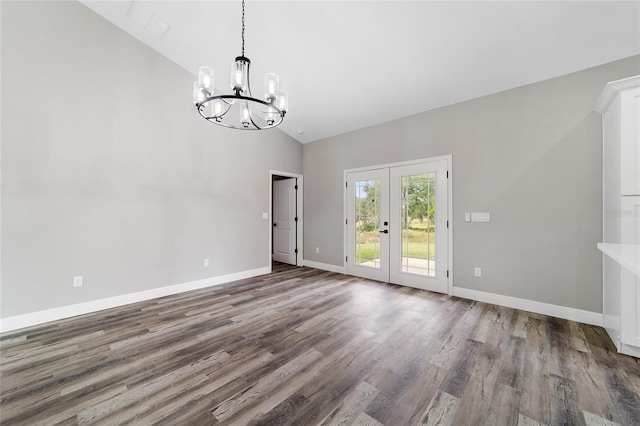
x,y
628,255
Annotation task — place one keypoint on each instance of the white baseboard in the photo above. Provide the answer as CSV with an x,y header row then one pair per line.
x,y
579,315
629,350
323,266
41,317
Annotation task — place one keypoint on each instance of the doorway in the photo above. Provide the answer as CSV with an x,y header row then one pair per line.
x,y
285,216
397,223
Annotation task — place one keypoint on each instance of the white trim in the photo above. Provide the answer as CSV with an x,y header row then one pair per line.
x,y
450,218
579,315
299,213
400,163
41,317
627,255
629,350
324,266
612,89
449,159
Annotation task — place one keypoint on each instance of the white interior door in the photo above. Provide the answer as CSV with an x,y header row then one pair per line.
x,y
397,225
284,221
368,224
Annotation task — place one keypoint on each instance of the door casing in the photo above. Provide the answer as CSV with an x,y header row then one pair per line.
x,y
299,213
285,226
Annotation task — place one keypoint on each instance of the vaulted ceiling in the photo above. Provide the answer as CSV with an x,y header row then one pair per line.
x,y
353,64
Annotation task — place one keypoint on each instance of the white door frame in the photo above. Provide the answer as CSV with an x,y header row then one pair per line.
x,y
299,211
449,159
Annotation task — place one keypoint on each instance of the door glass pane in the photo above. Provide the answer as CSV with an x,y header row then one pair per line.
x,y
418,224
367,223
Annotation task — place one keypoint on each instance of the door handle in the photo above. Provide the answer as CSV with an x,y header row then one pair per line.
x,y
386,231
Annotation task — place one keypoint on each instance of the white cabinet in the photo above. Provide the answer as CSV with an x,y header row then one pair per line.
x,y
630,141
629,281
619,105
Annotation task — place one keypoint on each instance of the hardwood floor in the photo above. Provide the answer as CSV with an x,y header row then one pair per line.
x,y
303,347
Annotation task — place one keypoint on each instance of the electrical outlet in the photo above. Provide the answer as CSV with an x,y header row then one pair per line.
x,y
477,271
77,281
317,249
206,263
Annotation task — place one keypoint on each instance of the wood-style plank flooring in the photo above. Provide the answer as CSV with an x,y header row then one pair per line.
x,y
304,347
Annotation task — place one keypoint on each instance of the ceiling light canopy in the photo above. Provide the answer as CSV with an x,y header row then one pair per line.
x,y
240,110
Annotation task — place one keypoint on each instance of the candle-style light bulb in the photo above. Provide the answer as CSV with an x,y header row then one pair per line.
x,y
270,116
245,115
271,86
283,100
198,95
206,77
217,108
239,71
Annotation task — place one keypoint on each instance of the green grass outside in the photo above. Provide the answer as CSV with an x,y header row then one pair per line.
x,y
369,251
425,226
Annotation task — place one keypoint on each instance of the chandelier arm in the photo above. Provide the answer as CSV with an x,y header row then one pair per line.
x,y
242,98
278,114
203,103
226,111
253,122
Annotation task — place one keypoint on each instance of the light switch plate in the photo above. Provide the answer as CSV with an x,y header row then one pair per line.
x,y
480,217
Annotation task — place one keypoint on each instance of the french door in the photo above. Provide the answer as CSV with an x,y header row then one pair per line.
x,y
397,220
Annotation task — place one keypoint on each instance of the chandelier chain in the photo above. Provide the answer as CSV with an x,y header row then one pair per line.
x,y
242,27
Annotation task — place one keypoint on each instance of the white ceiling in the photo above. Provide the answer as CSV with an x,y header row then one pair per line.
x,y
353,64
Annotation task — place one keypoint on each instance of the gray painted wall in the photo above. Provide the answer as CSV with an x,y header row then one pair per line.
x,y
530,156
108,172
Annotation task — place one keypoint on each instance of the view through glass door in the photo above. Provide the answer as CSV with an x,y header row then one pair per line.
x,y
396,225
367,222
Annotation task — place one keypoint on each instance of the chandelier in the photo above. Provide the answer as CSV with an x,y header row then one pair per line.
x,y
240,110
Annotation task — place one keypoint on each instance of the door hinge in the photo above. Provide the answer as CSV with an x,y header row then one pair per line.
x,y
346,184
447,175
296,251
296,187
447,224
296,218
346,258
346,221
447,273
